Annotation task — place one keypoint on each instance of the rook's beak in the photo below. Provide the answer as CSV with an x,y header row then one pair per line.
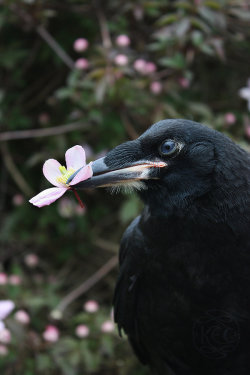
x,y
104,176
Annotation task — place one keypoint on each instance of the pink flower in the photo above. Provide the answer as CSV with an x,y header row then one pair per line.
x,y
82,64
18,200
5,336
121,60
139,65
6,306
150,67
122,41
14,280
3,350
31,260
80,211
156,87
91,306
230,118
51,333
44,118
3,278
66,207
184,82
81,44
22,317
107,326
82,331
63,178
144,67
245,93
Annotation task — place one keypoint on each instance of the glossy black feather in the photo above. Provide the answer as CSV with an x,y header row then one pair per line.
x,y
183,291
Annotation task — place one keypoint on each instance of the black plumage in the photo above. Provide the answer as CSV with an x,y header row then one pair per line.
x,y
183,291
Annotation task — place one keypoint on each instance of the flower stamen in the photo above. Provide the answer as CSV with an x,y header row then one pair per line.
x,y
65,175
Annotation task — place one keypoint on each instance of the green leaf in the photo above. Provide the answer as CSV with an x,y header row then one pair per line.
x,y
177,61
197,38
167,19
244,15
213,4
43,362
130,209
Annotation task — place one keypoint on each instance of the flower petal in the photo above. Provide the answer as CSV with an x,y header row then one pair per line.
x,y
2,325
245,93
83,174
51,171
5,308
75,157
47,196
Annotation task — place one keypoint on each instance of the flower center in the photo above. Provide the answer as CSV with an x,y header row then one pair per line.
x,y
65,175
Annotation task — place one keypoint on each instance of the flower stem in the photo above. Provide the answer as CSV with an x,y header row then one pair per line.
x,y
78,198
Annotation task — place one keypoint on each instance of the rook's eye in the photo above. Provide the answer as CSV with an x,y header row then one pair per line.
x,y
168,147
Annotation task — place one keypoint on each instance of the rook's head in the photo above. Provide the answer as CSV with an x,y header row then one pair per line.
x,y
172,164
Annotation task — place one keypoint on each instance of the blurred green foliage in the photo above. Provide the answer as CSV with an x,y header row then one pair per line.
x,y
199,53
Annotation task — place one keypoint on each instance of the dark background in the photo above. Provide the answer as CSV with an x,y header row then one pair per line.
x,y
200,51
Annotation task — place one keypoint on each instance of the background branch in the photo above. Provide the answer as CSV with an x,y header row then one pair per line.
x,y
87,284
46,132
14,171
44,34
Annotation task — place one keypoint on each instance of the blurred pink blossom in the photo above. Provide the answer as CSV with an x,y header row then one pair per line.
x,y
80,211
144,67
18,199
3,350
247,126
44,118
245,93
139,65
107,326
82,64
150,67
82,330
118,75
31,260
5,336
122,40
6,306
3,278
22,317
66,207
121,60
51,333
81,44
230,118
91,306
138,12
15,280
247,131
156,87
184,82
89,153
